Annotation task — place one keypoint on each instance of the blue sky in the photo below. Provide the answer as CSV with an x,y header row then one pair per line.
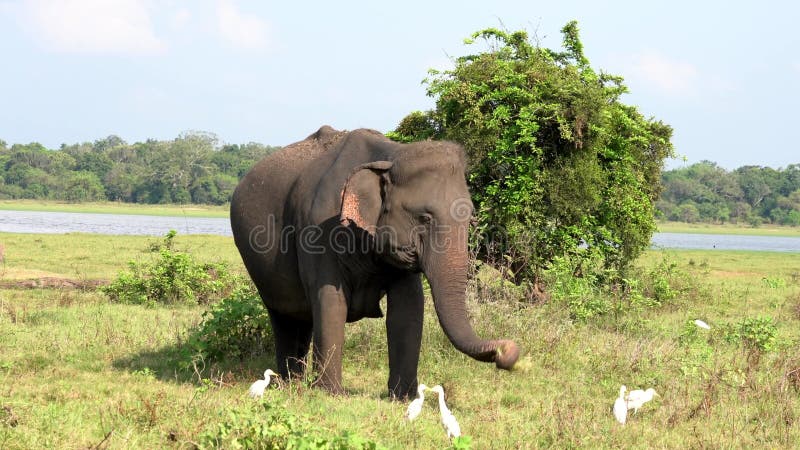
x,y
725,75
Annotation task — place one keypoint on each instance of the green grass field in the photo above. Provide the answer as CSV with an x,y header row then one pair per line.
x,y
74,367
97,256
116,208
739,229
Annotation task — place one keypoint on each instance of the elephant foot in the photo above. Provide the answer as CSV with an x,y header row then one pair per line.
x,y
333,388
290,376
402,393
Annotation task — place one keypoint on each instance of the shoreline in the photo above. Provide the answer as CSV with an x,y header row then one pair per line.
x,y
207,211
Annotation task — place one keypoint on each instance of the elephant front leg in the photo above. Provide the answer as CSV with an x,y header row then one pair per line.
x,y
405,309
330,315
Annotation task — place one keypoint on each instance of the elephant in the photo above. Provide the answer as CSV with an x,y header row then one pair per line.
x,y
329,225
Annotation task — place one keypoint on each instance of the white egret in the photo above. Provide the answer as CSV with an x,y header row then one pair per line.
x,y
449,421
637,398
415,407
620,407
702,324
257,388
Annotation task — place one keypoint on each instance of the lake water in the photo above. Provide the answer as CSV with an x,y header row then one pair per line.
x,y
726,242
58,222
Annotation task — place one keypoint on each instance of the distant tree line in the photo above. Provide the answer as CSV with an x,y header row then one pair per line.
x,y
705,192
192,168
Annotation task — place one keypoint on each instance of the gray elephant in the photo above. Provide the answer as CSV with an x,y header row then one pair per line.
x,y
329,225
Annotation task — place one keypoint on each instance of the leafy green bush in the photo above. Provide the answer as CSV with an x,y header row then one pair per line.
x,y
690,333
236,327
270,427
759,333
556,159
575,282
660,281
667,283
589,288
172,278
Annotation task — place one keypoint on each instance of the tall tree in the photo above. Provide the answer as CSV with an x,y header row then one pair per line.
x,y
556,160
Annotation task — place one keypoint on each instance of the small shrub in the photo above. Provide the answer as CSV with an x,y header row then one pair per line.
x,y
491,285
578,284
582,308
660,277
758,333
462,443
174,278
697,350
168,243
590,289
774,282
696,359
236,327
145,373
274,428
689,334
666,282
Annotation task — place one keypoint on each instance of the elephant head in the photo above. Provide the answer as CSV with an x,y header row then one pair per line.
x,y
417,208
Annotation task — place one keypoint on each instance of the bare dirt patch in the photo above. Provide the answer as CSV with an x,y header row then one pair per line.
x,y
52,283
733,274
13,273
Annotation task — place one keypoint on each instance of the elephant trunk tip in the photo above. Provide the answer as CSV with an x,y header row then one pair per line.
x,y
506,355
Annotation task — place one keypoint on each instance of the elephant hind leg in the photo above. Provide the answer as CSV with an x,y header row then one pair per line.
x,y
292,342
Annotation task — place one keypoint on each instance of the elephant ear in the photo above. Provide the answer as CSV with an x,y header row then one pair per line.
x,y
362,195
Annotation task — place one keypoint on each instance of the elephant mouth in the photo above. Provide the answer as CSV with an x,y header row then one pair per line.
x,y
406,258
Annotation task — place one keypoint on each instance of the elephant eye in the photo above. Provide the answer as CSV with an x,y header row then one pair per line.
x,y
425,218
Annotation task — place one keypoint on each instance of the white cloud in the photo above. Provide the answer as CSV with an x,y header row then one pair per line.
x,y
671,76
242,30
796,67
93,26
181,18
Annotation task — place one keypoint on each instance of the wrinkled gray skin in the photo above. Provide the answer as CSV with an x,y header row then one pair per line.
x,y
330,224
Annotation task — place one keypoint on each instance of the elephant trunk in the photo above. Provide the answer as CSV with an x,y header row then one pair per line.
x,y
446,271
